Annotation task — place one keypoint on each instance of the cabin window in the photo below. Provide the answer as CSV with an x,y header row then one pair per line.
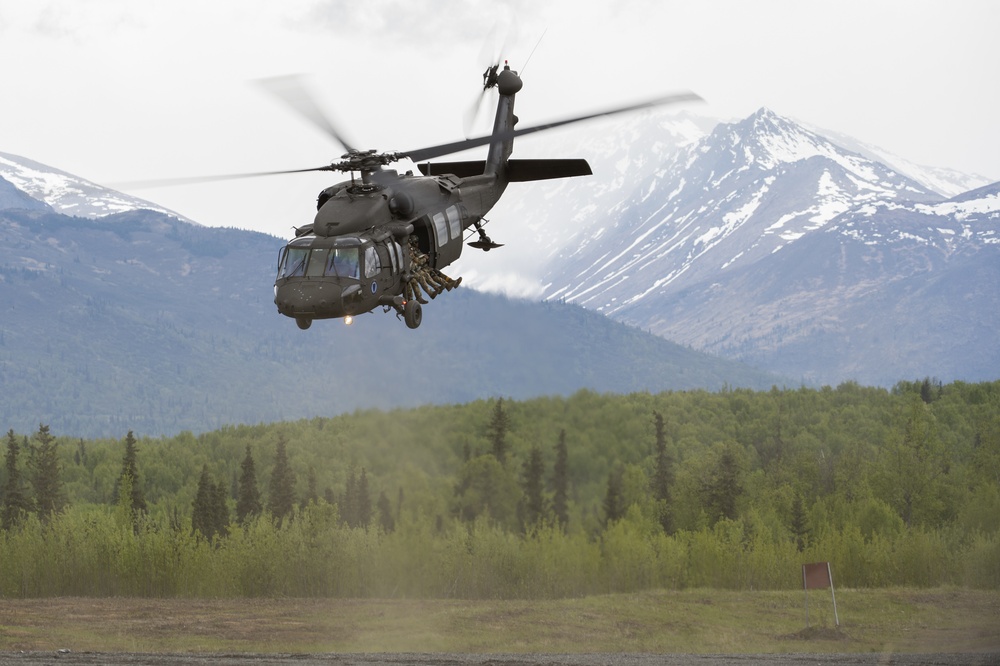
x,y
343,262
441,226
455,222
294,262
372,264
395,258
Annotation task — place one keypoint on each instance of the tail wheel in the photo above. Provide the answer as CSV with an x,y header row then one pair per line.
x,y
413,314
303,322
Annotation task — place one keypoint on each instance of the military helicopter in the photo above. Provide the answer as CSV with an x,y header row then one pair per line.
x,y
382,240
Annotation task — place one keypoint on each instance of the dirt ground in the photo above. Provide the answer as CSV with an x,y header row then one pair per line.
x,y
261,632
449,659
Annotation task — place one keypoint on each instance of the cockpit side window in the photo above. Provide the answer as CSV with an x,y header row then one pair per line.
x,y
372,263
294,262
343,262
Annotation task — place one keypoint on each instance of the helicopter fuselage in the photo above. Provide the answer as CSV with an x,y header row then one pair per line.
x,y
383,241
369,240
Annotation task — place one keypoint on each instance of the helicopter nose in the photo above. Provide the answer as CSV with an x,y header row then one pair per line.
x,y
318,299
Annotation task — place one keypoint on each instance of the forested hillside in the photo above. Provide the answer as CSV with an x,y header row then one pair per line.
x,y
499,498
143,321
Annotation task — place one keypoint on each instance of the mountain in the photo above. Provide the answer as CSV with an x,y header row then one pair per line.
x,y
768,243
944,181
538,221
141,321
66,193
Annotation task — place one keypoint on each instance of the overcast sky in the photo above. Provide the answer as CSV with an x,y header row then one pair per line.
x,y
122,90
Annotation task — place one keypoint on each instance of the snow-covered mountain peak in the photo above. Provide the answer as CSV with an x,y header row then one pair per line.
x,y
69,194
747,190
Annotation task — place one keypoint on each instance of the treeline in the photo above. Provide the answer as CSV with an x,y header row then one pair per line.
x,y
547,497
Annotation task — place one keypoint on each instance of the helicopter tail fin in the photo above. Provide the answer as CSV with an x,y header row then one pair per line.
x,y
518,171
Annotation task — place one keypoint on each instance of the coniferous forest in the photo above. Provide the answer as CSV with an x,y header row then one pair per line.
x,y
550,497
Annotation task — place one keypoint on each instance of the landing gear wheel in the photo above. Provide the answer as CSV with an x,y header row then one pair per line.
x,y
303,322
413,314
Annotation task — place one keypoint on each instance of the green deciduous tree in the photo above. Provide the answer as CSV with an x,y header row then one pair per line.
x,y
487,488
912,464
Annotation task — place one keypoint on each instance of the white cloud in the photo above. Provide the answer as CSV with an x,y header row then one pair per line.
x,y
121,90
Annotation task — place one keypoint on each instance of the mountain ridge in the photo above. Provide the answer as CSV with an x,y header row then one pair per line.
x,y
69,194
722,260
140,321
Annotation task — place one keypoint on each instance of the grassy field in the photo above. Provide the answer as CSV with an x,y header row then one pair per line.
x,y
690,621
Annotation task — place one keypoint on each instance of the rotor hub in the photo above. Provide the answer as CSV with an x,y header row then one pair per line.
x,y
364,161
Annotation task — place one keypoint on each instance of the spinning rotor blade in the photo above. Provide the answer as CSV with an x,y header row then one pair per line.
x,y
193,180
490,57
366,161
422,154
472,114
290,90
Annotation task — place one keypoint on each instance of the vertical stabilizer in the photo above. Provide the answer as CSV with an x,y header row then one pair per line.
x,y
508,83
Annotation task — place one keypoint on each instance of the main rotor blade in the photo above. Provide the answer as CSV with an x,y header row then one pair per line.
x,y
422,154
290,90
192,180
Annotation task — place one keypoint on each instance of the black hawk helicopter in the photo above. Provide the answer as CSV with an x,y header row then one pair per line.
x,y
383,240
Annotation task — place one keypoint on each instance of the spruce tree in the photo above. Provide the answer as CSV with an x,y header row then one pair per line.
x,y
533,502
560,482
722,488
16,502
203,514
281,495
385,519
348,501
47,475
363,501
248,503
499,422
663,475
799,525
220,509
312,495
130,468
614,498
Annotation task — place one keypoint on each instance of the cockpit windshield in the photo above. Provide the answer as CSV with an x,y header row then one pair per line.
x,y
315,262
343,262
